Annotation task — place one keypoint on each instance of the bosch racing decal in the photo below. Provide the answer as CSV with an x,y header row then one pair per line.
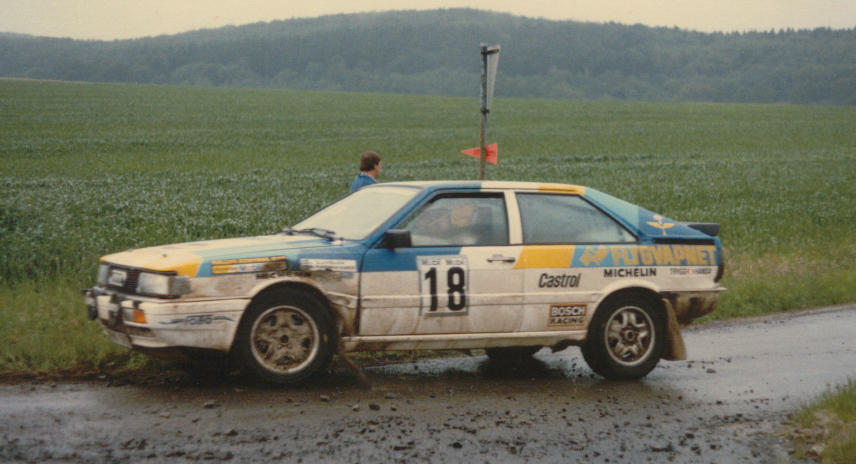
x,y
567,315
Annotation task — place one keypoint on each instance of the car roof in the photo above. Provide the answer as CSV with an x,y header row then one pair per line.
x,y
489,185
637,218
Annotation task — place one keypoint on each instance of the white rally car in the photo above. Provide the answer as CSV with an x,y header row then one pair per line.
x,y
504,266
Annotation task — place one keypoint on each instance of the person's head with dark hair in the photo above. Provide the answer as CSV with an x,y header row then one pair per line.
x,y
369,170
369,161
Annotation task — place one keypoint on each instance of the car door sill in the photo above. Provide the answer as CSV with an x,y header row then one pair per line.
x,y
460,341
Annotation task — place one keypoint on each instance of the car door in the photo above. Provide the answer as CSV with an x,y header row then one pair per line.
x,y
458,276
560,289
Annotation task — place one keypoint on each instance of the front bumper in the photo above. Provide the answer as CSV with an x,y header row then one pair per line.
x,y
153,323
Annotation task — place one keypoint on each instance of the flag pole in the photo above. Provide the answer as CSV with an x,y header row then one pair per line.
x,y
484,112
482,149
488,75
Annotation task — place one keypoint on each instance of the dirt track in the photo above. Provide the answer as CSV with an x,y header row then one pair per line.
x,y
726,404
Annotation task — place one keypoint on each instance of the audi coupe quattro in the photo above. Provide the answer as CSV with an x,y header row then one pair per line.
x,y
506,267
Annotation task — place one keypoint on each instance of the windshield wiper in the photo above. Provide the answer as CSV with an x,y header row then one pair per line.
x,y
318,232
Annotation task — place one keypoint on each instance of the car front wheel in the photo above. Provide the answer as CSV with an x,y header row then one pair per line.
x,y
625,338
285,337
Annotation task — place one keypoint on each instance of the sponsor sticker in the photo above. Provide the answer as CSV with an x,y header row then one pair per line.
x,y
567,315
648,255
661,224
329,265
248,265
280,274
688,271
559,280
630,272
199,319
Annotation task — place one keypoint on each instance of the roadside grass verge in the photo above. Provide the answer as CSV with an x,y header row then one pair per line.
x,y
826,428
44,332
815,275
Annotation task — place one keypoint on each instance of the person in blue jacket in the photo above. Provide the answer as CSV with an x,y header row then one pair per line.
x,y
369,170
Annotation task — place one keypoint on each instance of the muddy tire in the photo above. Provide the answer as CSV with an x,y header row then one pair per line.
x,y
626,337
511,353
285,337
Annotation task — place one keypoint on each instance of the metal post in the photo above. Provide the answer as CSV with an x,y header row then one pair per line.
x,y
484,112
488,77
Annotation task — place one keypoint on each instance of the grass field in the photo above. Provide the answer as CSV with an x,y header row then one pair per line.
x,y
827,425
89,169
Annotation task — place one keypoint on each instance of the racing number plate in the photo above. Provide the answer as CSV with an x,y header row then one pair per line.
x,y
117,277
444,285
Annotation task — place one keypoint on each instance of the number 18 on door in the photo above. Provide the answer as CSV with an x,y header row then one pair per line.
x,y
443,282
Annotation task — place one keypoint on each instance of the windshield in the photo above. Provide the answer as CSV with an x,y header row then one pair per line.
x,y
359,214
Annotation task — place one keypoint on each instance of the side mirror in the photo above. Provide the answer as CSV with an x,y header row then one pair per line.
x,y
397,238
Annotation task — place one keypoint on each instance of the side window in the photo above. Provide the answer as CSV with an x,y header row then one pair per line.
x,y
460,220
557,219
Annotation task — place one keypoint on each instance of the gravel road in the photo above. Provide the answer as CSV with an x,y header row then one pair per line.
x,y
726,404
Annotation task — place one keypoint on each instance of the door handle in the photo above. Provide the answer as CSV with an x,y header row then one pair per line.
x,y
500,258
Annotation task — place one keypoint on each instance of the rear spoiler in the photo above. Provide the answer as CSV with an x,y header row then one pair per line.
x,y
709,228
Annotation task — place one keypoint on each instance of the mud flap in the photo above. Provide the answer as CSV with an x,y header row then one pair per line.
x,y
675,349
343,355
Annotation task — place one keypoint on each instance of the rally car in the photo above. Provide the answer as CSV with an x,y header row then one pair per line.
x,y
508,267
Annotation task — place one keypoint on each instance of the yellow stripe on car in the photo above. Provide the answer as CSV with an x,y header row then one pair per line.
x,y
562,188
545,256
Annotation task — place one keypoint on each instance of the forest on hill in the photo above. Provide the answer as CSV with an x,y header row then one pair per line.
x,y
437,53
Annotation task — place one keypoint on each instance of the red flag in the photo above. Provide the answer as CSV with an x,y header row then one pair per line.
x,y
490,153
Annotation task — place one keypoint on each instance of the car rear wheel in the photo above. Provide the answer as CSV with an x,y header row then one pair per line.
x,y
625,338
511,353
285,337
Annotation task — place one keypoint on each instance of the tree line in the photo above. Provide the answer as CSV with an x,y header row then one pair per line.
x,y
437,53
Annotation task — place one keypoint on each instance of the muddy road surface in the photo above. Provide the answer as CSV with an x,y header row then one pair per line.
x,y
726,404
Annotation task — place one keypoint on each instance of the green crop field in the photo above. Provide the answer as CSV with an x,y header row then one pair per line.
x,y
89,169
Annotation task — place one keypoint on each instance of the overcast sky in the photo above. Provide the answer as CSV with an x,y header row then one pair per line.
x,y
124,19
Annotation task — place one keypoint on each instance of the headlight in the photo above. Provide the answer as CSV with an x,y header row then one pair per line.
x,y
103,270
162,285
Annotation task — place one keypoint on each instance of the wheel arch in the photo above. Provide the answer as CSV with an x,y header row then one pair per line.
x,y
651,295
296,286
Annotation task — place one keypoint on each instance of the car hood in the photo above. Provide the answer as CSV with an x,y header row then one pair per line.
x,y
202,258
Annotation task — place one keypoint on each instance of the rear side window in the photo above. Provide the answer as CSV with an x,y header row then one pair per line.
x,y
566,219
